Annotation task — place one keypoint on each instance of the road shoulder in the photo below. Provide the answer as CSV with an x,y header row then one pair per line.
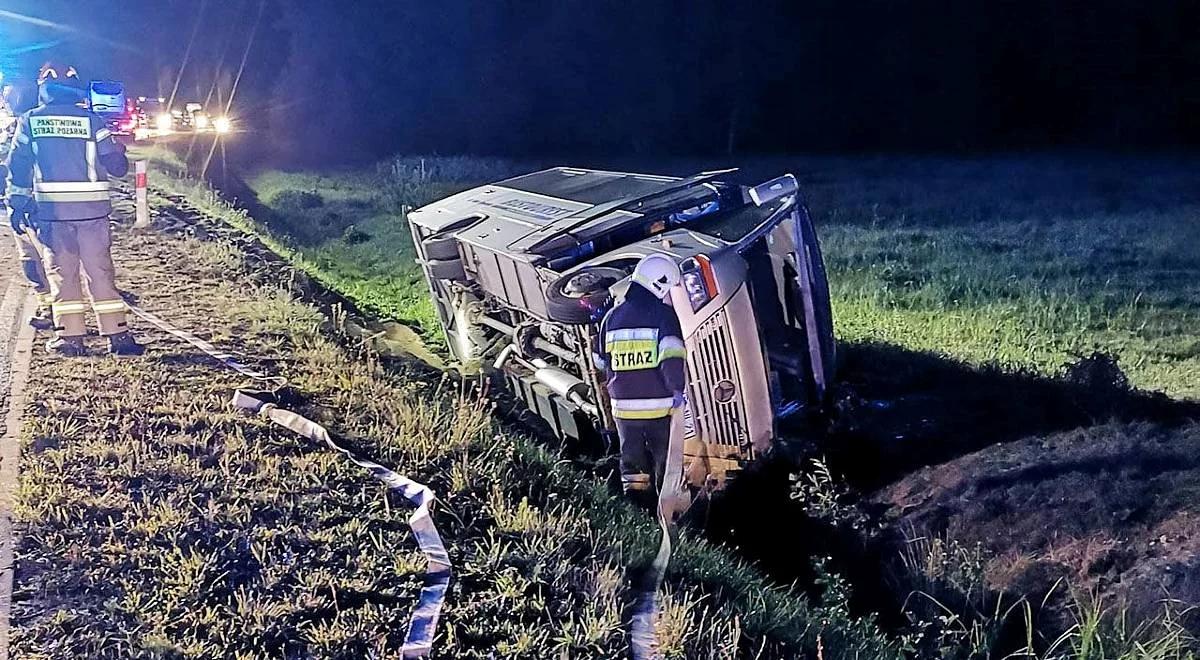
x,y
16,342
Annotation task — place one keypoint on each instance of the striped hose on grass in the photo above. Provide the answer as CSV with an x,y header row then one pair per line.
x,y
423,621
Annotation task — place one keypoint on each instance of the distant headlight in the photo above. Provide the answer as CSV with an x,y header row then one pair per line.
x,y
222,124
164,122
201,121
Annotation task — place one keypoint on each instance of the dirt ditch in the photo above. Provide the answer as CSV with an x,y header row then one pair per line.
x,y
1075,486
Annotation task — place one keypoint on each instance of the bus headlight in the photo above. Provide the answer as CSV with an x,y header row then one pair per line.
x,y
699,282
222,125
164,122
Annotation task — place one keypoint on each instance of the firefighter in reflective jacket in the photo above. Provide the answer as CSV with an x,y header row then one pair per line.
x,y
58,184
640,349
27,248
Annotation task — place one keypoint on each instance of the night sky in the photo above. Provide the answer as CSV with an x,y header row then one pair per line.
x,y
354,80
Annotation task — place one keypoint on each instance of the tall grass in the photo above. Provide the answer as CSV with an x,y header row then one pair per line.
x,y
956,616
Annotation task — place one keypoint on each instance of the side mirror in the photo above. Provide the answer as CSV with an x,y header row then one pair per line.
x,y
765,193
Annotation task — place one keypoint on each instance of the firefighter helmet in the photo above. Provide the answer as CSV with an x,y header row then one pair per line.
x,y
657,273
62,74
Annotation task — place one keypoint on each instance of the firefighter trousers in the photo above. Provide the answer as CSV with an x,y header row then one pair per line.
x,y
644,447
31,261
71,248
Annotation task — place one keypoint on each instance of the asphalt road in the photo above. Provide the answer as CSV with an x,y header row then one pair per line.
x,y
16,342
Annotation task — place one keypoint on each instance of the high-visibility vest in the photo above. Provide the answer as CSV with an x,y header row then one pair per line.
x,y
65,144
640,347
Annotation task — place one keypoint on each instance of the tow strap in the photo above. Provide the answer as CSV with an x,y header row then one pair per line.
x,y
643,641
419,640
423,621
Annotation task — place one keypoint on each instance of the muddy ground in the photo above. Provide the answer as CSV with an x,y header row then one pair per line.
x,y
980,487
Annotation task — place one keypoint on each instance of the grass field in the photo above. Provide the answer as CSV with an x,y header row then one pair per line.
x,y
1028,263
1025,262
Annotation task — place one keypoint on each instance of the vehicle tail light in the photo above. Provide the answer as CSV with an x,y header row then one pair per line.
x,y
699,282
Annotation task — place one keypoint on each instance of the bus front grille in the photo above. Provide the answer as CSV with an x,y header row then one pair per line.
x,y
712,368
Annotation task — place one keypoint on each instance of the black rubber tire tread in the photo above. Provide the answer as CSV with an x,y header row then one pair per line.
x,y
562,308
440,247
822,307
447,269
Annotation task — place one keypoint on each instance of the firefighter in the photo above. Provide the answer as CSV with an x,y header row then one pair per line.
x,y
61,158
640,350
27,248
31,264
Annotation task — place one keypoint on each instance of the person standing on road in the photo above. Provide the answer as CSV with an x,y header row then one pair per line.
x,y
62,155
641,351
27,247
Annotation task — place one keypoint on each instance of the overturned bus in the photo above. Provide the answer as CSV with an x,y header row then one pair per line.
x,y
522,272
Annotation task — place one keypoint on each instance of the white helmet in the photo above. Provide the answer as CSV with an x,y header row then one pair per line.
x,y
657,273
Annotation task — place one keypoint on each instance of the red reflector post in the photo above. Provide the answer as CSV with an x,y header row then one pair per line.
x,y
141,202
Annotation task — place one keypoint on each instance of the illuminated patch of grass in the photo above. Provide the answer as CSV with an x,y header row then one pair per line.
x,y
379,276
1027,295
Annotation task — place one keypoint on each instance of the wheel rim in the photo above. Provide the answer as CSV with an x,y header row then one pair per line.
x,y
587,283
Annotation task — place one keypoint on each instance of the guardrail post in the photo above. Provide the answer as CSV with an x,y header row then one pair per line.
x,y
141,205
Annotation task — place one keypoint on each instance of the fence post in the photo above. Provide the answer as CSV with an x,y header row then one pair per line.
x,y
142,205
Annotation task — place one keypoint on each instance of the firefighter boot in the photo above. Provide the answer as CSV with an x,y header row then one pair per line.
x,y
42,318
123,343
66,346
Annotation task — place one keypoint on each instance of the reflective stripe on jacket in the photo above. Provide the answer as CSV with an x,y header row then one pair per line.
x,y
58,154
641,350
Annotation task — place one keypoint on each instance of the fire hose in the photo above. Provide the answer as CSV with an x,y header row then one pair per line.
x,y
418,642
226,359
423,620
646,606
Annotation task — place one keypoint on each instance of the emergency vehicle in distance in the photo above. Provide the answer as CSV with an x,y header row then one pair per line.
x,y
155,118
522,272
107,99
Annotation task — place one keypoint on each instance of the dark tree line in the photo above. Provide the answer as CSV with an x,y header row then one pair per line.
x,y
355,79
773,75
